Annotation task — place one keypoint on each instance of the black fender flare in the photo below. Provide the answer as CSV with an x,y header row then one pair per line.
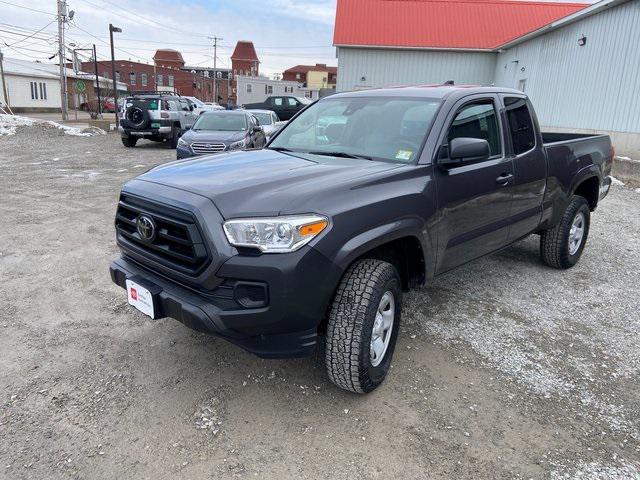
x,y
368,240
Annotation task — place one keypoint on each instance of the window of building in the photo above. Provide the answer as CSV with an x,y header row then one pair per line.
x,y
268,89
521,128
143,79
132,78
170,80
477,120
38,90
117,76
298,76
159,79
249,88
105,74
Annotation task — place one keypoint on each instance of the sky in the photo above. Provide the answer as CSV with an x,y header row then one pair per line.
x,y
284,32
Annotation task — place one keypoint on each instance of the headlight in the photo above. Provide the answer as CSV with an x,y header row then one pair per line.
x,y
275,235
235,145
182,143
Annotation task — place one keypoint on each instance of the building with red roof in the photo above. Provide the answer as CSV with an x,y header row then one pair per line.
x,y
578,62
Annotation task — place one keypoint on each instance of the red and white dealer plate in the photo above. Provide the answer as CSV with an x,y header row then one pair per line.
x,y
140,297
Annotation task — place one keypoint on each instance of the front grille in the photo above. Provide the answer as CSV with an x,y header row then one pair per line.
x,y
203,147
177,243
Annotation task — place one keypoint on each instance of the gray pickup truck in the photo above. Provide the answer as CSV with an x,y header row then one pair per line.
x,y
362,196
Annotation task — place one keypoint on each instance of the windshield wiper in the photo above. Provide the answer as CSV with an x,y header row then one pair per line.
x,y
280,149
340,154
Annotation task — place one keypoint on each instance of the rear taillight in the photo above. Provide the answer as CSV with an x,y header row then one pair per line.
x,y
164,114
613,152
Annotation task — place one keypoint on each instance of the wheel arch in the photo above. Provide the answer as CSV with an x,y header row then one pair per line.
x,y
402,243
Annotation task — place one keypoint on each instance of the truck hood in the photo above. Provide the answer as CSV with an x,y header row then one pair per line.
x,y
266,182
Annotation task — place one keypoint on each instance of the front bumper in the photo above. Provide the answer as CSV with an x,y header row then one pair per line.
x,y
298,289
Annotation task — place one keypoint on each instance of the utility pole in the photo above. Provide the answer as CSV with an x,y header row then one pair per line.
x,y
4,84
95,67
215,69
62,13
113,70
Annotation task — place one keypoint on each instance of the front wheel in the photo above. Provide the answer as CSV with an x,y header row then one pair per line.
x,y
562,245
175,136
363,326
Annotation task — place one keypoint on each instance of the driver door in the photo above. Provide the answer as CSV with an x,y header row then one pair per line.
x,y
474,199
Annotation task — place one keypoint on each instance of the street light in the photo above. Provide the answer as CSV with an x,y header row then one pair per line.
x,y
113,29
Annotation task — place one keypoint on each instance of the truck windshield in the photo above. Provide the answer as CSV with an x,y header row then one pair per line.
x,y
381,128
221,122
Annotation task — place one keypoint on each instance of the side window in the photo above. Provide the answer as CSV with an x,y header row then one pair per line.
x,y
477,120
292,102
523,135
184,105
277,101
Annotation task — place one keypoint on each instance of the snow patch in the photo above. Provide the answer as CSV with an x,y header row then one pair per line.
x,y
9,123
615,181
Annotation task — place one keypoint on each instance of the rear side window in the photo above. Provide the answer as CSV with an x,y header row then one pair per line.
x,y
521,128
477,120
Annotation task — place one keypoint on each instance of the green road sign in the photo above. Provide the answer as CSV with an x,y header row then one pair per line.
x,y
80,86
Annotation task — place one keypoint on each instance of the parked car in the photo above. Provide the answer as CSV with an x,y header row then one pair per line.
x,y
285,107
269,121
108,105
155,116
216,106
221,131
199,107
319,234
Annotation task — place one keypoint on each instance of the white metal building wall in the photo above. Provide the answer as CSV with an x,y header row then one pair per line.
x,y
590,87
19,92
360,67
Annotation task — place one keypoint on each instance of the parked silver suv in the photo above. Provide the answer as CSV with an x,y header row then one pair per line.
x,y
155,116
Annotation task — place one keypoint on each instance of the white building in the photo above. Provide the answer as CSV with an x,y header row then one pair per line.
x,y
35,87
578,63
257,89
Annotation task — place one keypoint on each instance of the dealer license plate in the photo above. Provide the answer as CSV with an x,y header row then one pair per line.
x,y
141,298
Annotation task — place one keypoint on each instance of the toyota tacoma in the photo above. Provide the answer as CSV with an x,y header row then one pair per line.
x,y
311,242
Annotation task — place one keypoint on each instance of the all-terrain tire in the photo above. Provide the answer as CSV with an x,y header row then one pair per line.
x,y
129,142
175,136
351,321
554,243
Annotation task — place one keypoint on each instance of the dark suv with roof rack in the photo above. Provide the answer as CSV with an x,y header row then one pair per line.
x,y
156,116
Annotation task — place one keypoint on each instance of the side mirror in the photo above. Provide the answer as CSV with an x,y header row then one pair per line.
x,y
465,150
257,128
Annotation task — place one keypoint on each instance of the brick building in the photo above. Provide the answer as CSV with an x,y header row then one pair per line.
x,y
168,73
244,61
314,77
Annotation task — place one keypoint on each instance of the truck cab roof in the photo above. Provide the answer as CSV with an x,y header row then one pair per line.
x,y
428,91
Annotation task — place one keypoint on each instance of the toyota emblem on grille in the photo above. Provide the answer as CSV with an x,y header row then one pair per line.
x,y
209,146
146,228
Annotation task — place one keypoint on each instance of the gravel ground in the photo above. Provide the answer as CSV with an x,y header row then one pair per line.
x,y
504,368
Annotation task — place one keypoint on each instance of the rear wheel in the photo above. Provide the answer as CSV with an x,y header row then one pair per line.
x,y
363,326
129,142
562,246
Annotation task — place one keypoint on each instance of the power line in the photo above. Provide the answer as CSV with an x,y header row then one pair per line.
x,y
32,35
28,8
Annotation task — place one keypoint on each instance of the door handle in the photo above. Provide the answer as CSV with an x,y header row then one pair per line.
x,y
504,179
